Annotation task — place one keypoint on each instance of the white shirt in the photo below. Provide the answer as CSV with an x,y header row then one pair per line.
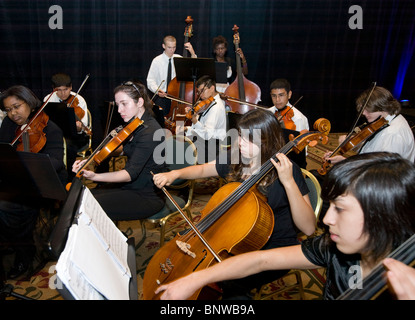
x,y
397,137
299,119
212,123
82,104
158,72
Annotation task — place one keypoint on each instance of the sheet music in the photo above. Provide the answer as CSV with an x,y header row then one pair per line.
x,y
93,264
92,213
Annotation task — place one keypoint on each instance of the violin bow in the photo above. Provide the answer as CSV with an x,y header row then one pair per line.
x,y
80,88
190,223
355,123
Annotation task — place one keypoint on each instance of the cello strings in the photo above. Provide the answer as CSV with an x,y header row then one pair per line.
x,y
374,281
237,194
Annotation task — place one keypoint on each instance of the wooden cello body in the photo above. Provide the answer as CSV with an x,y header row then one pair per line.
x,y
181,89
241,88
246,226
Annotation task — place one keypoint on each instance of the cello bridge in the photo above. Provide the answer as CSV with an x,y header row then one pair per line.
x,y
185,248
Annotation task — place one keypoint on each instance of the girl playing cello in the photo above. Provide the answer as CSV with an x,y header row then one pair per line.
x,y
285,188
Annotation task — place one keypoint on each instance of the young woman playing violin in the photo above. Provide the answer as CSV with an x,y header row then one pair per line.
x,y
290,117
130,193
396,137
372,200
285,187
208,126
18,214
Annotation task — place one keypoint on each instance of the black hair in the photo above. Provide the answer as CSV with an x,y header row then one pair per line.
x,y
384,185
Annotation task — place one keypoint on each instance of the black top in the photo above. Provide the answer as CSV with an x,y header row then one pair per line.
x,y
285,232
342,270
145,153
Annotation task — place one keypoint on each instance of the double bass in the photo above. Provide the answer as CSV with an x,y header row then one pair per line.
x,y
236,219
183,90
241,88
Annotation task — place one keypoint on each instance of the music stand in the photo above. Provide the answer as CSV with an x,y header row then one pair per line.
x,y
63,116
26,174
59,236
221,69
191,69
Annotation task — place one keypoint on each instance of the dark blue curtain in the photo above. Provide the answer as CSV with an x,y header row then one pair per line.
x,y
308,42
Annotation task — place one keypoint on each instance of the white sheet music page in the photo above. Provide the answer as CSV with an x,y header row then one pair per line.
x,y
92,214
94,264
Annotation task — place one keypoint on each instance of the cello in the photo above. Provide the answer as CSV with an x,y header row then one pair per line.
x,y
182,90
241,88
236,206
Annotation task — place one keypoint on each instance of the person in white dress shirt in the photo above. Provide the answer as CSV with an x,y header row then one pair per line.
x,y
62,84
159,69
280,95
208,128
396,137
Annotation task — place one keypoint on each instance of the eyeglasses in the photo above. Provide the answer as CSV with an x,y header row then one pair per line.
x,y
130,83
15,107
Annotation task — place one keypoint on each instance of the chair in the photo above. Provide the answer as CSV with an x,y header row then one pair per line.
x,y
87,148
316,203
180,153
65,162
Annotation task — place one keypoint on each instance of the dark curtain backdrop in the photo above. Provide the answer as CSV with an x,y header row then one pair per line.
x,y
308,42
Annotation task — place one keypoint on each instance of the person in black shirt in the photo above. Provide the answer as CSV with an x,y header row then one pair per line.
x,y
18,213
372,200
130,193
260,138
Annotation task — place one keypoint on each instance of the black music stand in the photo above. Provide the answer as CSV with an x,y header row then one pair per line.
x,y
221,69
28,174
59,237
191,69
25,174
63,116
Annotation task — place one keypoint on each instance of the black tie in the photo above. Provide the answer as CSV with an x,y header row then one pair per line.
x,y
168,75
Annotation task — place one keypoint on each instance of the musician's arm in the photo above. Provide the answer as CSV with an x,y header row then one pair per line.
x,y
237,267
192,172
300,206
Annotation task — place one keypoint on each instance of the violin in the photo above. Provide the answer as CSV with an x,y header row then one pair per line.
x,y
111,143
236,219
33,139
73,102
352,141
200,107
285,118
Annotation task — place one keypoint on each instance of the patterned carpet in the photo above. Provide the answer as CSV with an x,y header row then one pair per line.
x,y
41,284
